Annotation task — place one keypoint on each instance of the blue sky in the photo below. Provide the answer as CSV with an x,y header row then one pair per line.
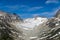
x,y
30,8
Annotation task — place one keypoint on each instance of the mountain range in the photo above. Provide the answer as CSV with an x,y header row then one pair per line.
x,y
13,27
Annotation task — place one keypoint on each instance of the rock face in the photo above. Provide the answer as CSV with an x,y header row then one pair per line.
x,y
12,27
58,14
7,30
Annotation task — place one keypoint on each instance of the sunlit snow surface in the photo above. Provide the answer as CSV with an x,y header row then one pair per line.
x,y
30,23
28,26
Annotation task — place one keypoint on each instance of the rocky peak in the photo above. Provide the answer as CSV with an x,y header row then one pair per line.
x,y
58,14
5,16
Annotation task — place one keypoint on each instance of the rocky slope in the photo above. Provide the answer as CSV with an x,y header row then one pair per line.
x,y
12,27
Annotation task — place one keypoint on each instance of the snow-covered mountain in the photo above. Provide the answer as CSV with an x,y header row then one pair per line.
x,y
36,28
30,23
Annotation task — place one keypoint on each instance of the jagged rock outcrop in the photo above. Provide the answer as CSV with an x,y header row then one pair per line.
x,y
53,25
7,30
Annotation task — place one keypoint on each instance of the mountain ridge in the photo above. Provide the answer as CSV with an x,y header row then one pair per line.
x,y
37,28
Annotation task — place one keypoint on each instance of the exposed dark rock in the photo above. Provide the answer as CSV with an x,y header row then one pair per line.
x,y
7,32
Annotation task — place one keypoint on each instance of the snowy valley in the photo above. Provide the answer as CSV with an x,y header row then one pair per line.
x,y
38,28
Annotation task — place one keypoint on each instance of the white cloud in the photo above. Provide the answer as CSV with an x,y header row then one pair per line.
x,y
34,8
52,1
15,6
43,14
35,15
12,6
25,6
21,7
52,13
